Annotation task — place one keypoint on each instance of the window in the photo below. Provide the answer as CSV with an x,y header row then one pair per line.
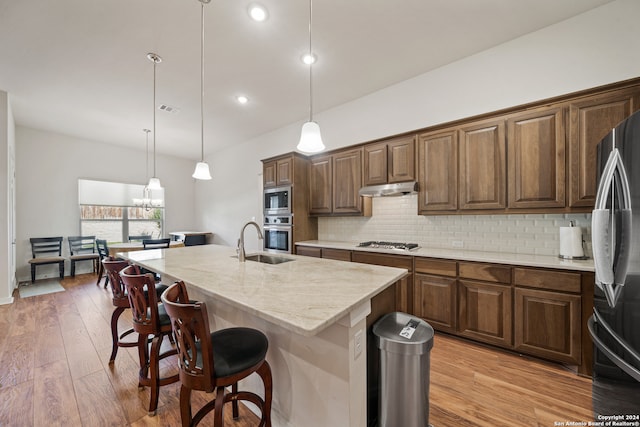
x,y
115,211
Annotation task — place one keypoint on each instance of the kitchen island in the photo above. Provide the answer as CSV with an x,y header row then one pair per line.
x,y
312,310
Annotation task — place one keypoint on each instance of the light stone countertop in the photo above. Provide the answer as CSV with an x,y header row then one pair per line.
x,y
305,295
544,261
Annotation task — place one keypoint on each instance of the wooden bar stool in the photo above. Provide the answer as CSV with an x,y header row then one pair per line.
x,y
149,319
120,301
213,361
112,267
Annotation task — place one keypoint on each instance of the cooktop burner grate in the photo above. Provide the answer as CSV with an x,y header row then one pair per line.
x,y
389,245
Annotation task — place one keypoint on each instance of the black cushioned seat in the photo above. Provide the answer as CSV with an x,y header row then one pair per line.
x,y
237,349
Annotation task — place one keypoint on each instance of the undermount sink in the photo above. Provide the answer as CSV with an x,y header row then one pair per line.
x,y
267,259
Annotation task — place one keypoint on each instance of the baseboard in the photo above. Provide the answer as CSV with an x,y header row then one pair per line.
x,y
8,300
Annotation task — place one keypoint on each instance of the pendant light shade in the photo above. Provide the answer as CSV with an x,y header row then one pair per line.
x,y
154,182
202,171
310,138
202,168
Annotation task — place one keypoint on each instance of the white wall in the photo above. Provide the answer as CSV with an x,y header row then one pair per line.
x,y
592,49
48,166
7,142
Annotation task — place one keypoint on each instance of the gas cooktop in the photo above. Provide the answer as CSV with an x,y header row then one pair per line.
x,y
389,245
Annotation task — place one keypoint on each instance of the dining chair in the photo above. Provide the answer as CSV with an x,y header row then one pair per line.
x,y
82,248
46,250
103,252
156,243
149,320
139,238
212,362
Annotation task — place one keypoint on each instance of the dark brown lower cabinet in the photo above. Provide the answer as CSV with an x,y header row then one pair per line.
x,y
548,324
434,300
535,311
338,254
308,251
404,287
484,312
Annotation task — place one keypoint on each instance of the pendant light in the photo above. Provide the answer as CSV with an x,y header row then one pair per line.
x,y
146,202
310,138
154,182
202,168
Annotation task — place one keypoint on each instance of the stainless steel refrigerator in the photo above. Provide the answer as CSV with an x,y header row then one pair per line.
x,y
615,229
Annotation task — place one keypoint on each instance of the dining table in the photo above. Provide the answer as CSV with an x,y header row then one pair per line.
x,y
115,248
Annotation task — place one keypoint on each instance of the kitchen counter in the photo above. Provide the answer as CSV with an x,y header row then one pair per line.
x,y
542,261
313,312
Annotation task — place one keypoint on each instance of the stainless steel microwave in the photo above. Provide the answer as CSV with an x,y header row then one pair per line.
x,y
277,201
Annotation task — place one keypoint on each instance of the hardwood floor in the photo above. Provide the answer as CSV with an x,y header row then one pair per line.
x,y
54,371
54,365
472,385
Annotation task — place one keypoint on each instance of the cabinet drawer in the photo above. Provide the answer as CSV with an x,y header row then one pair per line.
x,y
381,259
339,254
486,272
436,266
545,279
308,251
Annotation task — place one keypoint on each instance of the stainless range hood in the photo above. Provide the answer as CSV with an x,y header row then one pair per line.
x,y
399,189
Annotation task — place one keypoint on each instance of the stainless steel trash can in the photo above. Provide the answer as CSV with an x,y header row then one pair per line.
x,y
404,342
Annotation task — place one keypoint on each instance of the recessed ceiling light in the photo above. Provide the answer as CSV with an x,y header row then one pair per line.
x,y
242,99
309,58
257,12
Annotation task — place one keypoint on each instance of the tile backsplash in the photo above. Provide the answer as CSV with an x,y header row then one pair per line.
x,y
395,219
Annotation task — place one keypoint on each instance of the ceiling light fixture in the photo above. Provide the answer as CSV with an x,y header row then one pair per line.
x,y
257,12
310,138
308,58
154,182
242,99
202,168
147,202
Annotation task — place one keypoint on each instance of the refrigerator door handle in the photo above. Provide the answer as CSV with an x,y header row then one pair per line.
x,y
611,228
611,355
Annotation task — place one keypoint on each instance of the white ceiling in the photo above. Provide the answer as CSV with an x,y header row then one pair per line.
x,y
79,67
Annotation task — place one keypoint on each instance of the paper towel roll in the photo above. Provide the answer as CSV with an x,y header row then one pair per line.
x,y
571,242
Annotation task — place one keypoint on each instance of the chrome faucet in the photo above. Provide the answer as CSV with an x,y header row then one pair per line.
x,y
241,254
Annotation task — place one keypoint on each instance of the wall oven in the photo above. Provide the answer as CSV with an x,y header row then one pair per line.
x,y
278,234
277,201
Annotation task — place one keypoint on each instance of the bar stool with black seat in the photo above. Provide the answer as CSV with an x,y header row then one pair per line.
x,y
149,319
214,361
83,248
46,250
156,243
120,300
